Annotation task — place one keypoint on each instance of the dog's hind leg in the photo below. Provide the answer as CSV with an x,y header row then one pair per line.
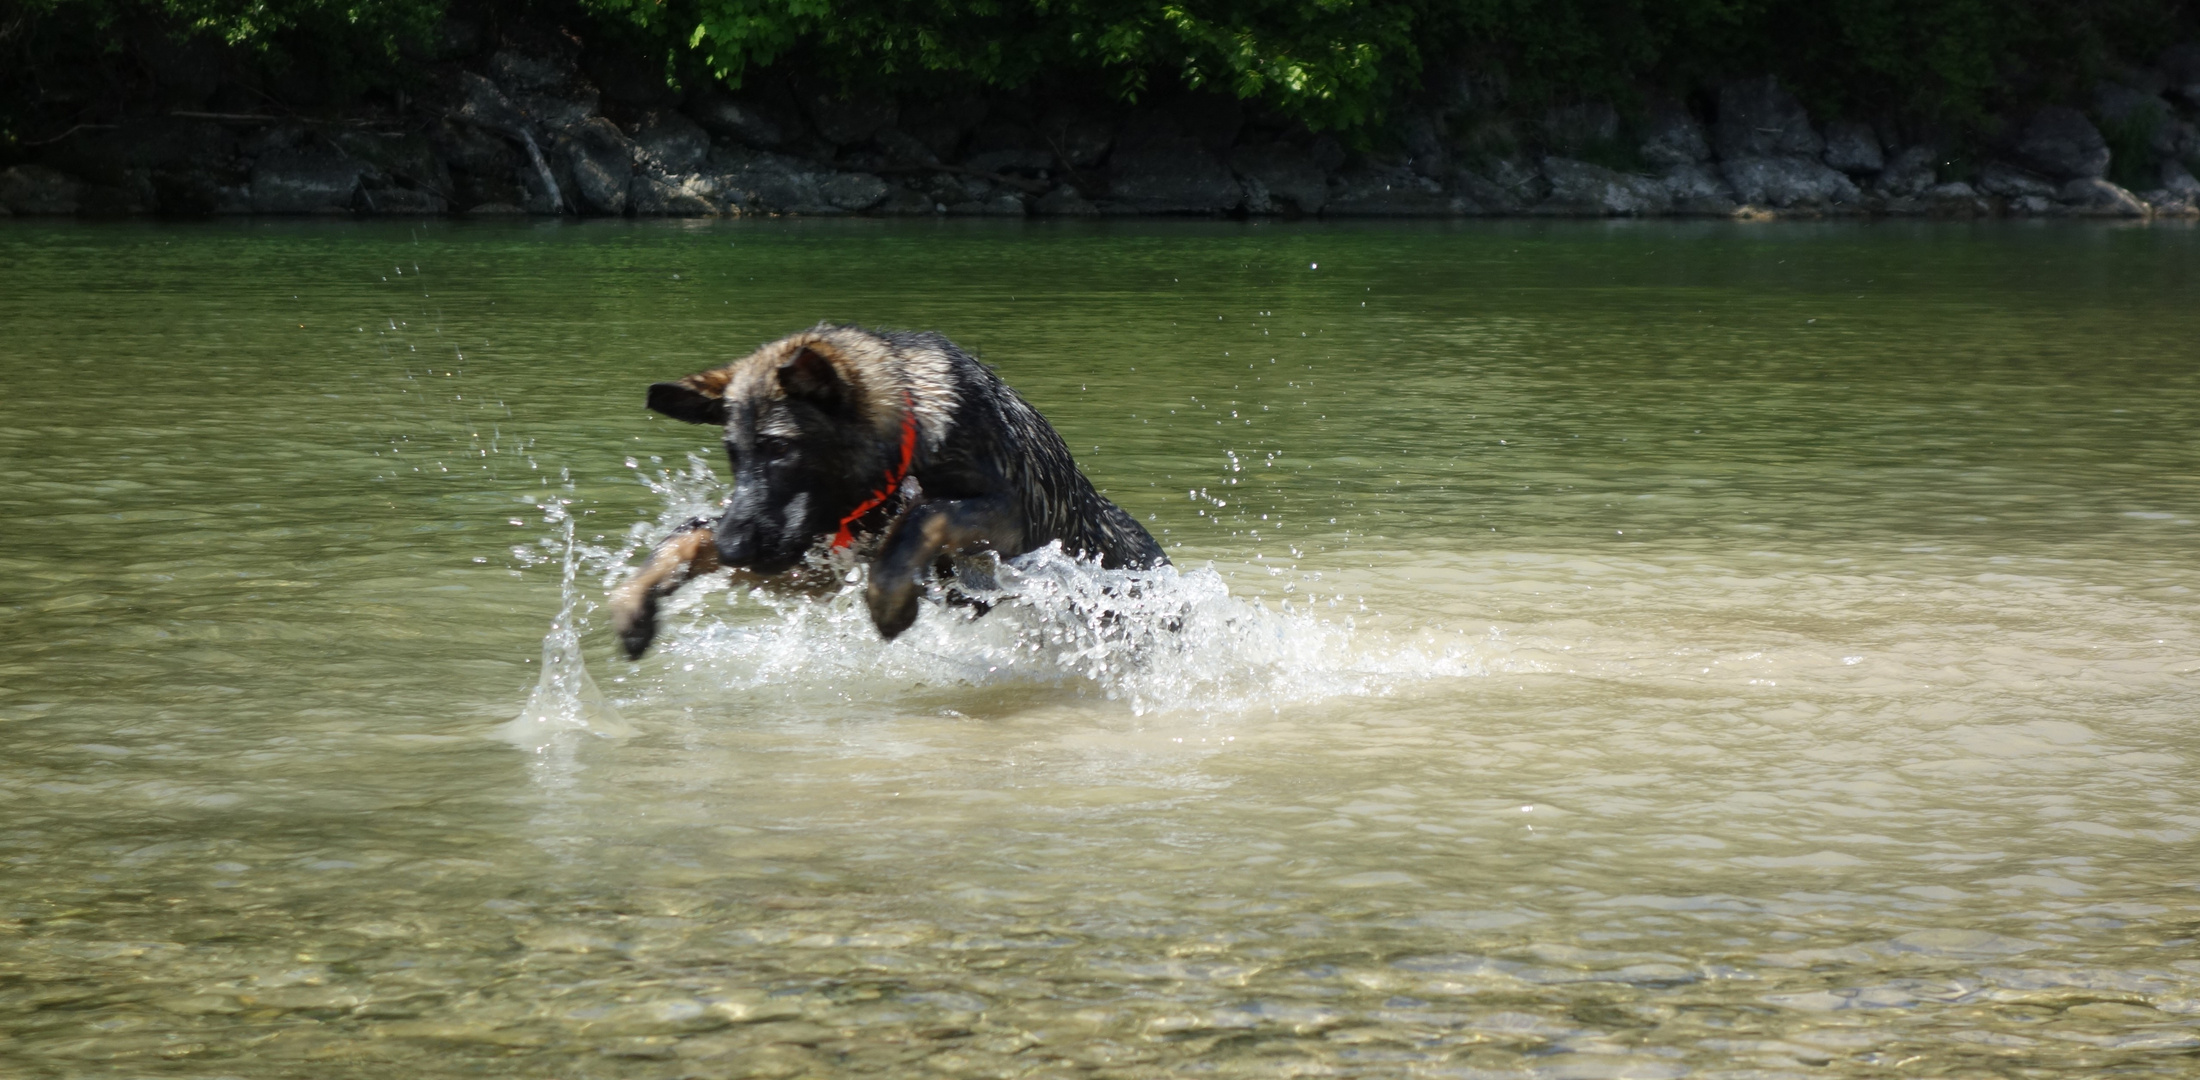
x,y
685,554
923,534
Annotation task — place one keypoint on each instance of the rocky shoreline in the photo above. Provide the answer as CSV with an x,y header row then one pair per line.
x,y
535,133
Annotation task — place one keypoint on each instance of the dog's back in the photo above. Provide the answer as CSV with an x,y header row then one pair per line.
x,y
992,427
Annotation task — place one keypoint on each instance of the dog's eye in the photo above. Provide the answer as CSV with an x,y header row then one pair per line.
x,y
772,446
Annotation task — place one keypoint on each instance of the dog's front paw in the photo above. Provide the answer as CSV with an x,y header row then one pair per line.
x,y
893,601
634,620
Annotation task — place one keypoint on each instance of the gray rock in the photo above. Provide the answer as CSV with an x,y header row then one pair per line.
x,y
1853,148
1080,140
559,111
482,164
1571,129
852,191
671,143
523,72
737,120
2061,143
601,160
1675,136
1758,119
1076,137
305,180
1065,201
1909,174
2008,181
2094,197
903,202
496,209
1393,191
2031,205
397,164
402,201
1424,143
1162,171
541,194
1485,194
1521,179
1787,182
1287,176
2162,202
902,148
1004,204
1697,188
1011,161
686,195
1580,187
127,193
481,103
848,119
1257,199
2178,139
36,189
952,188
771,184
2137,110
1955,199
764,182
2178,181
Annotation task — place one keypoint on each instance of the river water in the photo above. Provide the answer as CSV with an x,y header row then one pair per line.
x,y
1599,650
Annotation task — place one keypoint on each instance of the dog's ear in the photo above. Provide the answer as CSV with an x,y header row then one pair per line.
x,y
685,401
811,376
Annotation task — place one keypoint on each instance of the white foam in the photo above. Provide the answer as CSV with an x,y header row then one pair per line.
x,y
1156,641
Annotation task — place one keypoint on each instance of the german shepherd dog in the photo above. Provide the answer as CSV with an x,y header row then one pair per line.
x,y
895,444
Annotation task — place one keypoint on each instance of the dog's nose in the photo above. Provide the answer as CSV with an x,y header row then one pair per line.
x,y
736,542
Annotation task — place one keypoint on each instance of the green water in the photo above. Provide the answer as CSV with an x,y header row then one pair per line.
x,y
1638,650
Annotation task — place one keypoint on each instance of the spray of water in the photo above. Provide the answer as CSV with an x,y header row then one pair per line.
x,y
565,699
1170,640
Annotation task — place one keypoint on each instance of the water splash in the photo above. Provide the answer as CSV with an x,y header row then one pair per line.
x,y
565,699
1157,641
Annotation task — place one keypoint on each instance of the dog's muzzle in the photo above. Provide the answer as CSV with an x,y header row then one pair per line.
x,y
747,540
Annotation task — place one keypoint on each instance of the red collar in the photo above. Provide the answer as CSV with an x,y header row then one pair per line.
x,y
894,476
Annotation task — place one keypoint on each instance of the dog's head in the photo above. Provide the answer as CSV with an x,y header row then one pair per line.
x,y
811,424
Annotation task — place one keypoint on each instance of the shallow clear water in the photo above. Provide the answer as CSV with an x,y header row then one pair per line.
x,y
1635,650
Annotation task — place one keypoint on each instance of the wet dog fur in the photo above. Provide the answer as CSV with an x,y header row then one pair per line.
x,y
895,444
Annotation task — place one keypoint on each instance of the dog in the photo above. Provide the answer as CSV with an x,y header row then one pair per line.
x,y
896,445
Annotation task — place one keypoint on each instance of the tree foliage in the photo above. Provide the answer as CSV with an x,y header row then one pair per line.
x,y
1333,64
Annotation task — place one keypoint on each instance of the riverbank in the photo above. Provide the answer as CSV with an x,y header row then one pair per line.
x,y
537,131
